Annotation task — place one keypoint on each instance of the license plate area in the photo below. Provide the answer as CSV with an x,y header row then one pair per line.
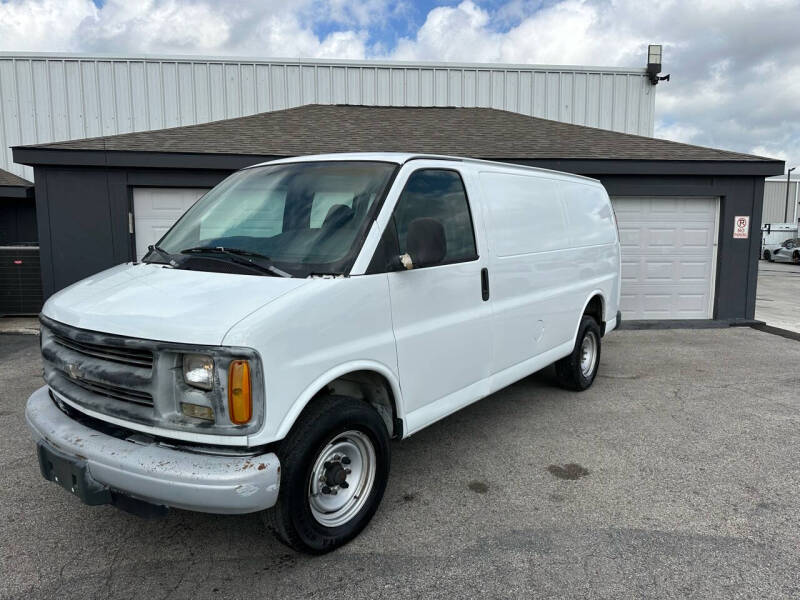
x,y
72,474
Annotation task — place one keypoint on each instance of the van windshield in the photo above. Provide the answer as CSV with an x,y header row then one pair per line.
x,y
301,218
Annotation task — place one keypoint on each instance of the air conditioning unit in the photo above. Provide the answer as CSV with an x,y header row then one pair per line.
x,y
20,280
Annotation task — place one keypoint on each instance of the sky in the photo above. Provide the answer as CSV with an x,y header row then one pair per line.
x,y
735,64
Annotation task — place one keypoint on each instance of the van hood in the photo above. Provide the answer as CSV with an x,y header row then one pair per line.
x,y
154,302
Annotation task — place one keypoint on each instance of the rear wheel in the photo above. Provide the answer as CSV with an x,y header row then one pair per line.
x,y
334,469
796,257
578,370
767,255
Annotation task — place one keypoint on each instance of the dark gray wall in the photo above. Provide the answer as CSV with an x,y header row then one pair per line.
x,y
17,221
83,220
83,216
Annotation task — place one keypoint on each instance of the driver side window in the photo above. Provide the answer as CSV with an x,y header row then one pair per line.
x,y
434,203
438,195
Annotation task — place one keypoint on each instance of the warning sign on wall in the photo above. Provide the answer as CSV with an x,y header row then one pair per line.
x,y
741,228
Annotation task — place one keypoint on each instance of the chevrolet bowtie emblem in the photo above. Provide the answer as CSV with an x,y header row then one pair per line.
x,y
74,371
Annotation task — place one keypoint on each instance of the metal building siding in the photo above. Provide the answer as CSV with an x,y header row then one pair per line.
x,y
47,98
775,201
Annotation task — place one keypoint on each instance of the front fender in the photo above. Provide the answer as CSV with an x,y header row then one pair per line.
x,y
320,382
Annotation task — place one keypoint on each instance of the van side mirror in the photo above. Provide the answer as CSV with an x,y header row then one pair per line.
x,y
425,243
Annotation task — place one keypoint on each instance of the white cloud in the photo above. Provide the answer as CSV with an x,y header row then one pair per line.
x,y
170,25
43,25
270,28
678,132
734,80
771,152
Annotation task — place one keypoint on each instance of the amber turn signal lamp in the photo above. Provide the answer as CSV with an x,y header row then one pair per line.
x,y
240,403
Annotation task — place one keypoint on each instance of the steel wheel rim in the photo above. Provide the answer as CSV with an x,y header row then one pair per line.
x,y
588,353
335,505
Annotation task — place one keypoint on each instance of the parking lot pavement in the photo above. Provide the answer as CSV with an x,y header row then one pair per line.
x,y
778,295
676,475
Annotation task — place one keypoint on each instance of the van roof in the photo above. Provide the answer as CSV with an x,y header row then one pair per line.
x,y
401,158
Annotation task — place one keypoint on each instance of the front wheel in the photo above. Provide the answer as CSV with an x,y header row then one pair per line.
x,y
767,255
334,470
578,370
796,257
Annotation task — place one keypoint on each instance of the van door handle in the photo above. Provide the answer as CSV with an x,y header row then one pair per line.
x,y
485,283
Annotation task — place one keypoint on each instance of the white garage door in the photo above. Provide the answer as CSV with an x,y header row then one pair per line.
x,y
156,209
668,256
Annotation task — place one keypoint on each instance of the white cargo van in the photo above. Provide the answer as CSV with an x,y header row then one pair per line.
x,y
303,313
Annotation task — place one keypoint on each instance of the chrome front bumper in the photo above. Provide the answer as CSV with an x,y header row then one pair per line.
x,y
154,473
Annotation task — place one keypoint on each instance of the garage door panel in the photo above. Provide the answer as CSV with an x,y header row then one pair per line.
x,y
660,236
628,205
654,305
692,303
664,206
700,238
629,238
667,249
660,270
691,209
694,272
631,270
155,210
158,230
657,305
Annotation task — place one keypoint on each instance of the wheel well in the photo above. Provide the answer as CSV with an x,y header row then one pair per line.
x,y
371,387
595,310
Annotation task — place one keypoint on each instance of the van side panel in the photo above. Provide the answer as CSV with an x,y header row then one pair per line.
x,y
590,218
593,234
552,245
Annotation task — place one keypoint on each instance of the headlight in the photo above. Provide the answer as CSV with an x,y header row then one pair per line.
x,y
198,371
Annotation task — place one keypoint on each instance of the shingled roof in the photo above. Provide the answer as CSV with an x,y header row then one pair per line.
x,y
12,186
476,132
10,180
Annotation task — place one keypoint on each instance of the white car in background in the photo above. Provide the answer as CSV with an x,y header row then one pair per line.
x,y
788,251
768,249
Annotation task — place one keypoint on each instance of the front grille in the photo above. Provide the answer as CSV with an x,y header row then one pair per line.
x,y
106,373
127,356
139,381
117,393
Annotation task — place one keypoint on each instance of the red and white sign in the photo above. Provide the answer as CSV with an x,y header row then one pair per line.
x,y
741,228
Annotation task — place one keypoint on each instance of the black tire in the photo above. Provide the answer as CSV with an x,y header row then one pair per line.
x,y
796,257
767,254
292,518
569,373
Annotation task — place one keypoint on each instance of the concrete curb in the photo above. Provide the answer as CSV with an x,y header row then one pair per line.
x,y
19,326
784,333
19,331
689,324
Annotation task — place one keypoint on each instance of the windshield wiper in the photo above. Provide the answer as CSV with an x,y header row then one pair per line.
x,y
163,254
241,257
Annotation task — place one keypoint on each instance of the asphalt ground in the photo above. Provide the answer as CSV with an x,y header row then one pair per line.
x,y
675,476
